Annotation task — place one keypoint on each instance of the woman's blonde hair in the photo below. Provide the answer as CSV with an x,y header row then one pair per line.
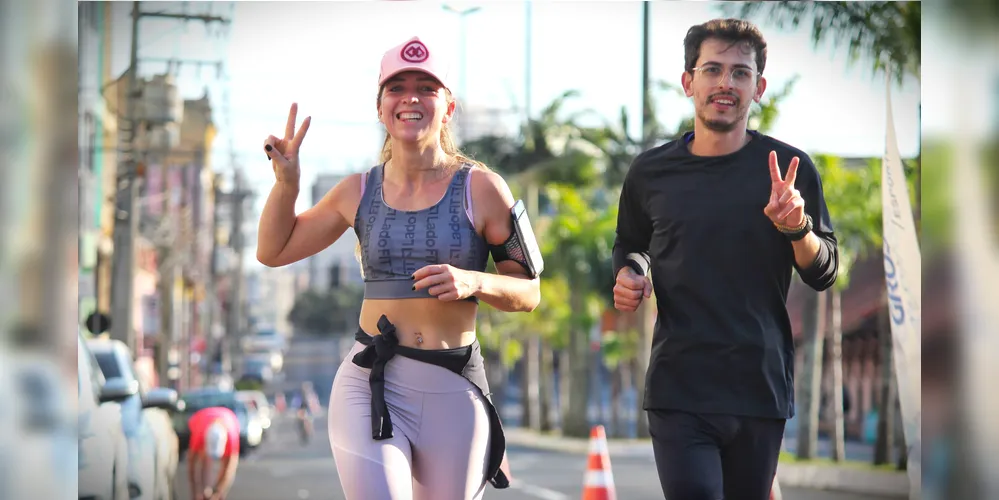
x,y
448,144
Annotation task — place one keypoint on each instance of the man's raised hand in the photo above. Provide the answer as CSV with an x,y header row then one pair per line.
x,y
786,206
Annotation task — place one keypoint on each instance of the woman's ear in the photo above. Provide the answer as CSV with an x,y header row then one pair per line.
x,y
451,106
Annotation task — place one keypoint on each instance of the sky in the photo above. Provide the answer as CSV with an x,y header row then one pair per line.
x,y
325,56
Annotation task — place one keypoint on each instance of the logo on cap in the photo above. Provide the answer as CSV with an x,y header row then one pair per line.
x,y
415,52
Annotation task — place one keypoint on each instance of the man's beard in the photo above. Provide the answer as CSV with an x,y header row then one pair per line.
x,y
723,126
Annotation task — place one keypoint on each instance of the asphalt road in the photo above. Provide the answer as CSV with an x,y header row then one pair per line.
x,y
284,469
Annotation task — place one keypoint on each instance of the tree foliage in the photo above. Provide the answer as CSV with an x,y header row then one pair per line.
x,y
853,197
884,34
326,312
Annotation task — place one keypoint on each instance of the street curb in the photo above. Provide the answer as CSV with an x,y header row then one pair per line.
x,y
824,477
844,478
552,442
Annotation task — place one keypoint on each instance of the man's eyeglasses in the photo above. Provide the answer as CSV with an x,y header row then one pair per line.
x,y
712,74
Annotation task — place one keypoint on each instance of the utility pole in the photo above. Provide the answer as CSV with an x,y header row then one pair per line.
x,y
527,66
126,213
647,310
537,388
462,14
234,328
126,210
220,349
647,118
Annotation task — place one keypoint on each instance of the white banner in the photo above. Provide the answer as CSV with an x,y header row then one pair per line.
x,y
903,276
977,258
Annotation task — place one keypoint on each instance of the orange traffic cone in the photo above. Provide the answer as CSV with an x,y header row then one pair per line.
x,y
775,491
598,483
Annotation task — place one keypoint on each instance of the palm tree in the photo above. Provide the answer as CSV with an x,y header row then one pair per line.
x,y
854,201
549,150
884,34
618,148
619,350
579,241
507,336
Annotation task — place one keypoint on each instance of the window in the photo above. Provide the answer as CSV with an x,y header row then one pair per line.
x,y
109,366
88,141
88,374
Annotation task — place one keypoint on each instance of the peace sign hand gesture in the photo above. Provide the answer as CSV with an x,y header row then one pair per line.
x,y
786,206
283,153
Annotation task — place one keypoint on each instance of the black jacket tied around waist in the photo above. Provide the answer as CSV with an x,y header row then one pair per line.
x,y
464,361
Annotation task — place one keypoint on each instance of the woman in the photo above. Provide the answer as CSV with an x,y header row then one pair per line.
x,y
410,415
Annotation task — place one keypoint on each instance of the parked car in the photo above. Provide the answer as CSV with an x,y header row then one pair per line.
x,y
103,449
250,430
153,449
256,401
257,367
37,424
265,339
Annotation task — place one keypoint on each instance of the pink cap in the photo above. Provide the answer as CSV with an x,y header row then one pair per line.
x,y
413,55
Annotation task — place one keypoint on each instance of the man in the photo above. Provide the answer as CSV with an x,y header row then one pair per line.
x,y
721,217
214,436
303,412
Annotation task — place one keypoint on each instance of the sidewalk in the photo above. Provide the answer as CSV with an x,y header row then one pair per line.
x,y
844,478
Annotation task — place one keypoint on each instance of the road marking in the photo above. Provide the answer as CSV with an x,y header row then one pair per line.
x,y
538,491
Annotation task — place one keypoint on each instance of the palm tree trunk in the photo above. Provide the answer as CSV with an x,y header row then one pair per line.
x,y
575,421
813,316
525,392
617,382
500,372
546,384
564,376
532,391
885,442
636,382
839,439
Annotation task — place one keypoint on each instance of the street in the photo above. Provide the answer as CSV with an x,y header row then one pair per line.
x,y
283,468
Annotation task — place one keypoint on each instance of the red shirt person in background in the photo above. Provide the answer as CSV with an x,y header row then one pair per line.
x,y
214,436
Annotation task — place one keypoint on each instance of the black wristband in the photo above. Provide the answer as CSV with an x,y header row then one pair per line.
x,y
800,235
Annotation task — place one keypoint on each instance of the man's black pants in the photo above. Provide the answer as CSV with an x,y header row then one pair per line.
x,y
715,457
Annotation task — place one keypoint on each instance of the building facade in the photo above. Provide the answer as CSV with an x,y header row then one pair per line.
x,y
338,264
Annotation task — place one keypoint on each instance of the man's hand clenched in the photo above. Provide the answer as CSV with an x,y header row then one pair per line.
x,y
630,289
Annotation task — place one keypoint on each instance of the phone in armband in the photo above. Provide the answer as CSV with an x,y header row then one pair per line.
x,y
525,234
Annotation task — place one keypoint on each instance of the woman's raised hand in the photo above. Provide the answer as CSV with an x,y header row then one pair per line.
x,y
283,153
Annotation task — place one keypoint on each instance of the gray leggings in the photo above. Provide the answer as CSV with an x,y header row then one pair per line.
x,y
440,445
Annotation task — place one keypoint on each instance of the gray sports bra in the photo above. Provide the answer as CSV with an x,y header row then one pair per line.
x,y
395,243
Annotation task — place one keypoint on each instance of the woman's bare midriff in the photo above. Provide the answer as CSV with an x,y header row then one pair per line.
x,y
442,325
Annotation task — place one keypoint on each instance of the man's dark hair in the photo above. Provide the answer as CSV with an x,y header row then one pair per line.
x,y
733,31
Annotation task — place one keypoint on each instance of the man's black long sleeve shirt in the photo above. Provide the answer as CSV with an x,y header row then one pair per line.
x,y
721,273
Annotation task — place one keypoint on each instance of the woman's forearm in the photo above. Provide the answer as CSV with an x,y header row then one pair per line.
x,y
508,293
277,221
